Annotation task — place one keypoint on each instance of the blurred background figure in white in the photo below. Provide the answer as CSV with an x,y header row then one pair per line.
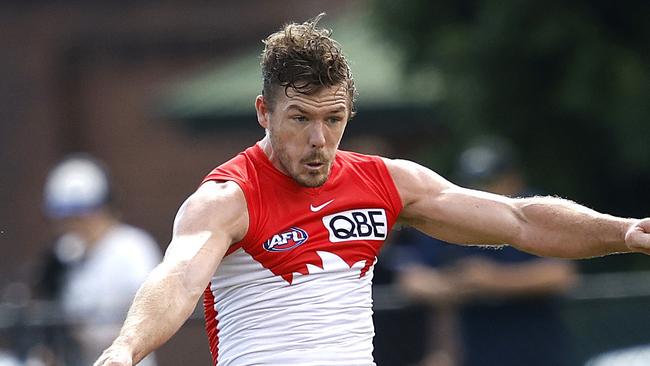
x,y
633,356
8,359
97,262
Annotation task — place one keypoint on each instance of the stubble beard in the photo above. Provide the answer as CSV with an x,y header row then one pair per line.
x,y
308,179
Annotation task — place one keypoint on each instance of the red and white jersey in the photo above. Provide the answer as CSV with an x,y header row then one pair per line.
x,y
297,289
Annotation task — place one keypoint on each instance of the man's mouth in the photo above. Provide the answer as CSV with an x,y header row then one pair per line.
x,y
315,162
314,165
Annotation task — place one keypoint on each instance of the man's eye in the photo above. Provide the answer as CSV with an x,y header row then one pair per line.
x,y
299,118
334,119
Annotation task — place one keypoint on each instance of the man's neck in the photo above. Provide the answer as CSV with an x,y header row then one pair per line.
x,y
267,148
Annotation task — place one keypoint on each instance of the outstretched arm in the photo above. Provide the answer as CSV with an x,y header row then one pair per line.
x,y
545,226
213,218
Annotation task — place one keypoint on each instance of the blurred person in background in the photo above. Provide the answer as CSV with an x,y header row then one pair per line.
x,y
7,358
490,306
97,262
631,356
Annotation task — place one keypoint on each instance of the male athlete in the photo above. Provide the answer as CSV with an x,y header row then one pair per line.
x,y
285,234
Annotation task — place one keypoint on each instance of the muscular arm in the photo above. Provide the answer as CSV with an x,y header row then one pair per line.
x,y
214,217
545,226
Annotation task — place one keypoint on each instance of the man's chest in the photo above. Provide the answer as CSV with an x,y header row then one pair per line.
x,y
295,230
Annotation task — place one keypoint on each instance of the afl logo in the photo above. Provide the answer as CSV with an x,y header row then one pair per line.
x,y
286,240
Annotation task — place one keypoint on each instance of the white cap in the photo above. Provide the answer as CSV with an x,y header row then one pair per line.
x,y
75,186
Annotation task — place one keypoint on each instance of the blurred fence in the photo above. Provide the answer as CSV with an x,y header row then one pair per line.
x,y
604,312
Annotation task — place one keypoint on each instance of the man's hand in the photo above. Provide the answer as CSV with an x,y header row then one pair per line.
x,y
115,355
637,237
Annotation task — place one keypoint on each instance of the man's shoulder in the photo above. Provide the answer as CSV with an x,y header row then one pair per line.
x,y
364,166
355,156
241,166
241,173
215,192
402,170
394,166
212,199
359,160
214,205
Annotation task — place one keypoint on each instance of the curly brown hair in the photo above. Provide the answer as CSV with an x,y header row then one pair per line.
x,y
304,58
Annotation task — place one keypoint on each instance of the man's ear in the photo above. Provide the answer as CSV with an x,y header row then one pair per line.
x,y
262,111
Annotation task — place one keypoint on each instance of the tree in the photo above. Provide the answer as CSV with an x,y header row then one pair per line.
x,y
567,81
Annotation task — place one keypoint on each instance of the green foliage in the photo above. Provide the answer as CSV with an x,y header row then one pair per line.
x,y
567,81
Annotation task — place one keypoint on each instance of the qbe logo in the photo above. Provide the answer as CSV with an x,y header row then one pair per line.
x,y
286,240
361,224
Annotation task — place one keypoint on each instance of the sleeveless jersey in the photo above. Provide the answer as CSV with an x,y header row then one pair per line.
x,y
296,290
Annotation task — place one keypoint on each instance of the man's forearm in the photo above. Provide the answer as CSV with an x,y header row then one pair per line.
x,y
160,307
560,228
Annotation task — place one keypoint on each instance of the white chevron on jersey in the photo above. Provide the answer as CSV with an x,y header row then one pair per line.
x,y
323,318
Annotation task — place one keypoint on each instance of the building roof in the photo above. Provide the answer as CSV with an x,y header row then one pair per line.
x,y
228,90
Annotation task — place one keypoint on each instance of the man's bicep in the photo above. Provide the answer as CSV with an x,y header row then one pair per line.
x,y
206,225
451,213
465,216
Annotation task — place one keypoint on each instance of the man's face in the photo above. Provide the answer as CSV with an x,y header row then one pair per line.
x,y
305,131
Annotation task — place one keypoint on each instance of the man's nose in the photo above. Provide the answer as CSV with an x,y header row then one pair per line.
x,y
317,135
